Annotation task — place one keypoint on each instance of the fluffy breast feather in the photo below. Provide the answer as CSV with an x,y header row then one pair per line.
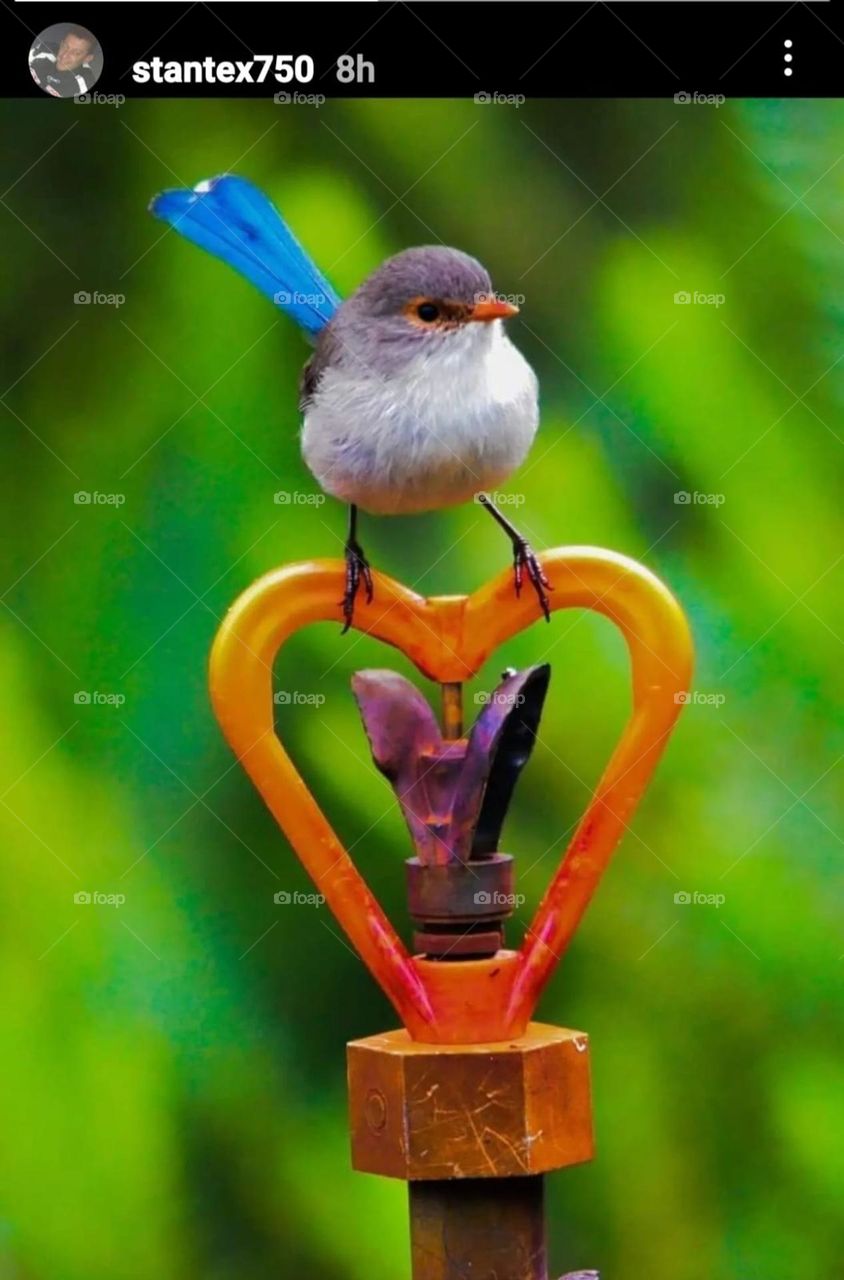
x,y
456,419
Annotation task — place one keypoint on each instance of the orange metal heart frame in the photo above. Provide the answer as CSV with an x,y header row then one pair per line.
x,y
449,638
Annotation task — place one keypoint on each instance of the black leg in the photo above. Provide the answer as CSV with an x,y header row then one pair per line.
x,y
357,567
524,558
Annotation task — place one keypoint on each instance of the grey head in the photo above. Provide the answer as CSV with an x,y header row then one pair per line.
x,y
430,276
417,301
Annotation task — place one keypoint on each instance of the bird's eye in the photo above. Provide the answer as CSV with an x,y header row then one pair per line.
x,y
428,311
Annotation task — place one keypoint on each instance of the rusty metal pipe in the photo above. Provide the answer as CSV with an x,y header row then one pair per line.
x,y
478,1228
452,709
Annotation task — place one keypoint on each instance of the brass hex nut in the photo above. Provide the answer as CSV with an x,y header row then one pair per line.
x,y
494,1110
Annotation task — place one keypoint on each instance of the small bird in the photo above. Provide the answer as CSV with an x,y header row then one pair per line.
x,y
414,398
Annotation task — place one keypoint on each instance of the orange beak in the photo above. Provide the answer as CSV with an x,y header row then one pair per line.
x,y
493,309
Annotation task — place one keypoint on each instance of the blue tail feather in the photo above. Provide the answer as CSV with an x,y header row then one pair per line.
x,y
231,218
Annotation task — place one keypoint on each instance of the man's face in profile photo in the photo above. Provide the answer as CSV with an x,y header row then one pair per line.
x,y
72,51
65,60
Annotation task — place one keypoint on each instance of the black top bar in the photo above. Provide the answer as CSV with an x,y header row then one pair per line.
x,y
729,49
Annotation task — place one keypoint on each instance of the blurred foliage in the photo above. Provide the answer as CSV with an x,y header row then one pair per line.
x,y
173,1100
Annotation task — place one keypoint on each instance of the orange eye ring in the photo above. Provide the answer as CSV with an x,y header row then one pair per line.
x,y
436,313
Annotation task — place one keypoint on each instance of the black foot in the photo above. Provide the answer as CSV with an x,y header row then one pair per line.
x,y
357,568
525,562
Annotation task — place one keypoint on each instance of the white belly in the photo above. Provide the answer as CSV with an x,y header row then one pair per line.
x,y
450,425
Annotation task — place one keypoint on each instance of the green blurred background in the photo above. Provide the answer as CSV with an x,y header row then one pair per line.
x,y
173,1100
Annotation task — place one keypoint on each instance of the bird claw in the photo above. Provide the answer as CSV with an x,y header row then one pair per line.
x,y
357,568
526,562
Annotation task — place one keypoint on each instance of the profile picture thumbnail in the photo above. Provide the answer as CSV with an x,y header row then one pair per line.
x,y
66,60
